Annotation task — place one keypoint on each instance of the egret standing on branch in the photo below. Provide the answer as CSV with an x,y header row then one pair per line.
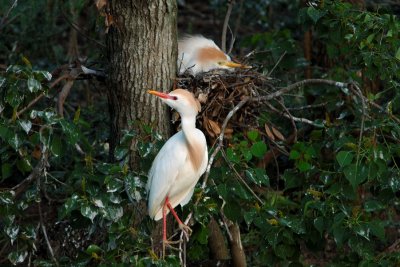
x,y
198,54
179,164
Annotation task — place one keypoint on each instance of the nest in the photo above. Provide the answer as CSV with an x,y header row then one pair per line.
x,y
219,92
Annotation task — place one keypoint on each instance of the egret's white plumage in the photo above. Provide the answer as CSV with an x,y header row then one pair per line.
x,y
181,161
198,54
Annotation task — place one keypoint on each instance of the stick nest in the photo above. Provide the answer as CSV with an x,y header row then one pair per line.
x,y
218,92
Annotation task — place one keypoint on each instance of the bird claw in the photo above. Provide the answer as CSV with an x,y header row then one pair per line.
x,y
186,230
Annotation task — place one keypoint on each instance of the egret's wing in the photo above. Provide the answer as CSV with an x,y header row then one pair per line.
x,y
164,172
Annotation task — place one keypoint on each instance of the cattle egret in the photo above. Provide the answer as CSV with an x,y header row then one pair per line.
x,y
198,54
179,164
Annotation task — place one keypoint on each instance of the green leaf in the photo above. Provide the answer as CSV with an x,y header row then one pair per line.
x,y
252,135
2,81
397,56
232,155
356,174
394,183
89,211
70,205
370,38
6,170
373,205
319,224
249,216
93,249
24,165
315,14
344,158
33,85
259,149
43,74
303,166
25,125
12,232
377,229
294,154
56,145
18,256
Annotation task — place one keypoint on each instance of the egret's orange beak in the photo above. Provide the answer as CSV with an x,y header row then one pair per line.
x,y
232,64
161,94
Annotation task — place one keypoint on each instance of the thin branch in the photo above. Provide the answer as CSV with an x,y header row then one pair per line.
x,y
290,117
277,63
80,31
225,26
298,85
2,23
358,92
240,178
44,231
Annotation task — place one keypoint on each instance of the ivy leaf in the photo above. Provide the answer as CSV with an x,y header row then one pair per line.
x,y
33,85
89,211
377,229
252,135
56,146
12,232
344,158
16,257
26,125
258,149
398,54
356,174
315,14
6,170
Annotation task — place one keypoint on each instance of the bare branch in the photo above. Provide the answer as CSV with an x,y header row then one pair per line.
x,y
225,26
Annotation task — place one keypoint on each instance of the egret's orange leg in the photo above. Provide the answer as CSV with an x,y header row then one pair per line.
x,y
186,229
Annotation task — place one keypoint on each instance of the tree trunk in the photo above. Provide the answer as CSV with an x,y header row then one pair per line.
x,y
142,53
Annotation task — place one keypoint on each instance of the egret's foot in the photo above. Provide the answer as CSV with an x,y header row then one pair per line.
x,y
186,230
169,244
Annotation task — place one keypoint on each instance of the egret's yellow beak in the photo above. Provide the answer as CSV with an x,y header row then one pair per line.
x,y
161,94
232,64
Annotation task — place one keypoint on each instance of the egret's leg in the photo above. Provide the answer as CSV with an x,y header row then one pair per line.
x,y
164,227
186,229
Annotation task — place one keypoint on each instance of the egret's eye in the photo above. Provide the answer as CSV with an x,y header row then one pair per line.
x,y
220,63
174,98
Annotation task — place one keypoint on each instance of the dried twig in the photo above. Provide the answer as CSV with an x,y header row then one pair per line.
x,y
225,26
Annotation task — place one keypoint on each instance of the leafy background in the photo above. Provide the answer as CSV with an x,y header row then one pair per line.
x,y
331,200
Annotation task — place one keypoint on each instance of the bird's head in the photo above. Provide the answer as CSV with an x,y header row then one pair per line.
x,y
181,100
210,58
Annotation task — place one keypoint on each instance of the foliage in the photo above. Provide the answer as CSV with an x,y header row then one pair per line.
x,y
330,198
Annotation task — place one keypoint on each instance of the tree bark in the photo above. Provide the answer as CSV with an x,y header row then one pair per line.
x,y
142,53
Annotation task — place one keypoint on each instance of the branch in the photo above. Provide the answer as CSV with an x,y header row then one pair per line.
x,y
298,85
2,23
225,26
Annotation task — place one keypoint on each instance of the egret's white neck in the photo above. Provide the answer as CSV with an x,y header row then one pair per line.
x,y
188,124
